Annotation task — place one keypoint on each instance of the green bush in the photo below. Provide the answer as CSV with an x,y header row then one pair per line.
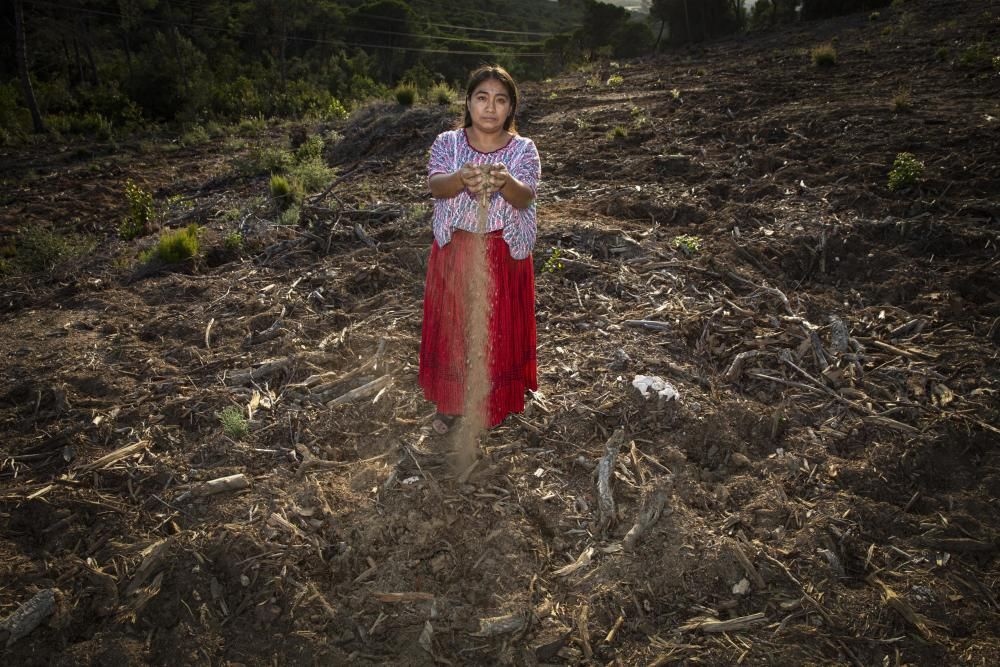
x,y
902,101
906,171
234,423
310,149
174,247
263,160
687,244
195,135
336,110
942,53
284,191
405,94
554,261
824,55
615,80
141,212
617,132
271,159
233,242
279,187
252,126
289,217
310,176
976,55
441,93
38,249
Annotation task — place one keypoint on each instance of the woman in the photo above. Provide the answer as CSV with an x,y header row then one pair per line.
x,y
483,161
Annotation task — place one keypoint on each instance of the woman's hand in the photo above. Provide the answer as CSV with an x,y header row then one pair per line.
x,y
472,177
498,178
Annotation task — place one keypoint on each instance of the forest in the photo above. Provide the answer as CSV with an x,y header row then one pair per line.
x,y
99,67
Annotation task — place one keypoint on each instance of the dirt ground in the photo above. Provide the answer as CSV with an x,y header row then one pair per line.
x,y
822,490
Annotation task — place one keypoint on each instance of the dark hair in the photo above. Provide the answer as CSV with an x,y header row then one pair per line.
x,y
503,76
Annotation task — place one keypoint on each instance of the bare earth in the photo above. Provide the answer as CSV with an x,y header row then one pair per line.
x,y
823,491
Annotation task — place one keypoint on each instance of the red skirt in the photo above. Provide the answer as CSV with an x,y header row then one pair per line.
x,y
511,327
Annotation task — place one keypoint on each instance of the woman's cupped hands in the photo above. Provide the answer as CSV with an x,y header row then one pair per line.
x,y
484,177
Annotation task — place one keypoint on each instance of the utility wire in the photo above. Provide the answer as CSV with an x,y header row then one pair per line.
x,y
417,19
430,4
310,40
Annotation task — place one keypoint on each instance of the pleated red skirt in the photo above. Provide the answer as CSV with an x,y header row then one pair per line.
x,y
511,327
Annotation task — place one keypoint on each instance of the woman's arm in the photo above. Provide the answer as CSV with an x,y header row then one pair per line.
x,y
448,185
517,193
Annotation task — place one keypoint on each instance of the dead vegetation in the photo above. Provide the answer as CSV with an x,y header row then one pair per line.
x,y
817,483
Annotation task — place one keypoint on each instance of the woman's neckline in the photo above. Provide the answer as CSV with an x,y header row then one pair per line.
x,y
465,133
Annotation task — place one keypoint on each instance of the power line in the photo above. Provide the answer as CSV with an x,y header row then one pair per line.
x,y
459,27
189,4
195,5
310,40
491,15
445,38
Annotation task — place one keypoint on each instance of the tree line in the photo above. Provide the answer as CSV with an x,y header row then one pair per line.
x,y
80,65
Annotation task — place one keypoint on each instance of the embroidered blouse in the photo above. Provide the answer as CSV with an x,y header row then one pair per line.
x,y
450,151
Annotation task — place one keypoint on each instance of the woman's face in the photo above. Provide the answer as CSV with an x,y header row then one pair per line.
x,y
489,106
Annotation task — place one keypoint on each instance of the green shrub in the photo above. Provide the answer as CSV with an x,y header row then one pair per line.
x,y
615,80
336,110
942,53
233,242
687,244
441,93
874,16
234,424
195,135
824,55
271,159
249,127
174,247
310,149
310,176
906,171
554,261
976,55
617,132
285,192
39,249
263,160
141,212
996,64
289,217
902,101
405,94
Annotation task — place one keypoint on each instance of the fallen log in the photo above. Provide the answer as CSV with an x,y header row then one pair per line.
x,y
29,615
709,624
649,514
605,473
221,485
265,370
501,625
648,324
363,391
